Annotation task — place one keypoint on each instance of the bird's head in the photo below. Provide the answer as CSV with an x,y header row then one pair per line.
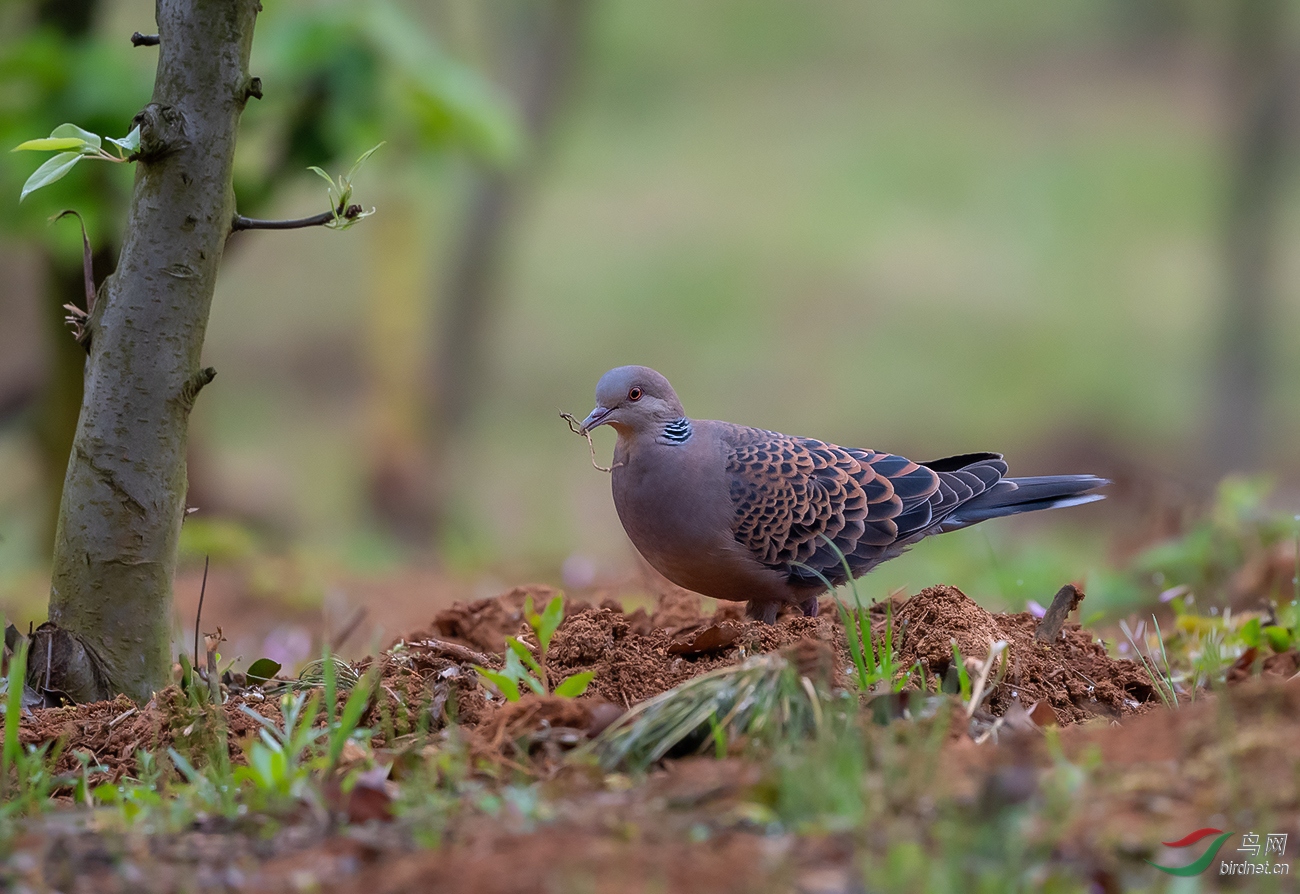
x,y
633,399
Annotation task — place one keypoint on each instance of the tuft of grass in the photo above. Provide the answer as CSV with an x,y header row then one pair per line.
x,y
873,660
281,760
1161,677
762,699
329,672
963,675
28,781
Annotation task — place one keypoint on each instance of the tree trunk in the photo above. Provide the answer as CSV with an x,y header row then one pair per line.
x,y
124,493
1256,96
58,404
472,291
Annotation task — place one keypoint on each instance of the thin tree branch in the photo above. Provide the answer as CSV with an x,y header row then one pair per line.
x,y
144,40
198,615
316,220
78,319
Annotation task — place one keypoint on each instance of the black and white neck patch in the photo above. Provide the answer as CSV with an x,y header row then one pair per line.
x,y
676,432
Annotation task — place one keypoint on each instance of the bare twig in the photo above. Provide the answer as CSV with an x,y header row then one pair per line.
x,y
198,615
120,717
77,318
981,687
577,429
349,628
87,267
1067,599
316,220
456,651
211,643
144,40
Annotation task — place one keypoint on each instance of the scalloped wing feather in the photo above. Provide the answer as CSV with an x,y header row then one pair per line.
x,y
788,493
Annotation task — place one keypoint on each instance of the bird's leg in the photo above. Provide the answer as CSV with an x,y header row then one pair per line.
x,y
809,607
764,611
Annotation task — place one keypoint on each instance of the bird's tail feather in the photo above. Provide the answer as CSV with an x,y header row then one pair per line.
x,y
1011,496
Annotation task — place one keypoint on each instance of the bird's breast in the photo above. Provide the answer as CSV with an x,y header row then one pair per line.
x,y
671,499
676,508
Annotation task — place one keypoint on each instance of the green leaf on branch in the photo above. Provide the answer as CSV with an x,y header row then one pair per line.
x,y
340,192
52,171
326,177
50,144
356,166
63,138
73,144
129,143
73,132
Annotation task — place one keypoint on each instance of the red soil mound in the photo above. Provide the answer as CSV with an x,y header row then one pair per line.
x,y
428,677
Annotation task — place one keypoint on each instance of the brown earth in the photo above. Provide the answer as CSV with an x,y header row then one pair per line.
x,y
1227,760
1160,774
428,676
1073,675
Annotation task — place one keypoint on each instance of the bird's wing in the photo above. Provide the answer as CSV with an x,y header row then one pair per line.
x,y
790,494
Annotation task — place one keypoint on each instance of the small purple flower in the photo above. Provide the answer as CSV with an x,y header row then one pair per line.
x,y
288,644
1174,592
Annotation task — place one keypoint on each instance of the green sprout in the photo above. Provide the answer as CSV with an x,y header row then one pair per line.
x,y
340,193
522,668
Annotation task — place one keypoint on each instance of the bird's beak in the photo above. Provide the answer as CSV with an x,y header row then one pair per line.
x,y
594,418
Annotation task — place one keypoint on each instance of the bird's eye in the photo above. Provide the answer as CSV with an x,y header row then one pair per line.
x,y
634,394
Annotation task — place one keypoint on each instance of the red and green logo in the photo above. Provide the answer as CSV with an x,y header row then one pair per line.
x,y
1203,863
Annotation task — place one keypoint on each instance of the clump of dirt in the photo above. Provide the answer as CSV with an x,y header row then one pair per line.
x,y
485,623
1073,674
565,721
631,666
428,683
1283,665
634,656
112,733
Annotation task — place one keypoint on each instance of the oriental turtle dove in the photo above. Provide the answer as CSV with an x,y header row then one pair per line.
x,y
750,515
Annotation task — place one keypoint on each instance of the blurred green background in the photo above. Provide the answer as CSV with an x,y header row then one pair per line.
x,y
931,228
